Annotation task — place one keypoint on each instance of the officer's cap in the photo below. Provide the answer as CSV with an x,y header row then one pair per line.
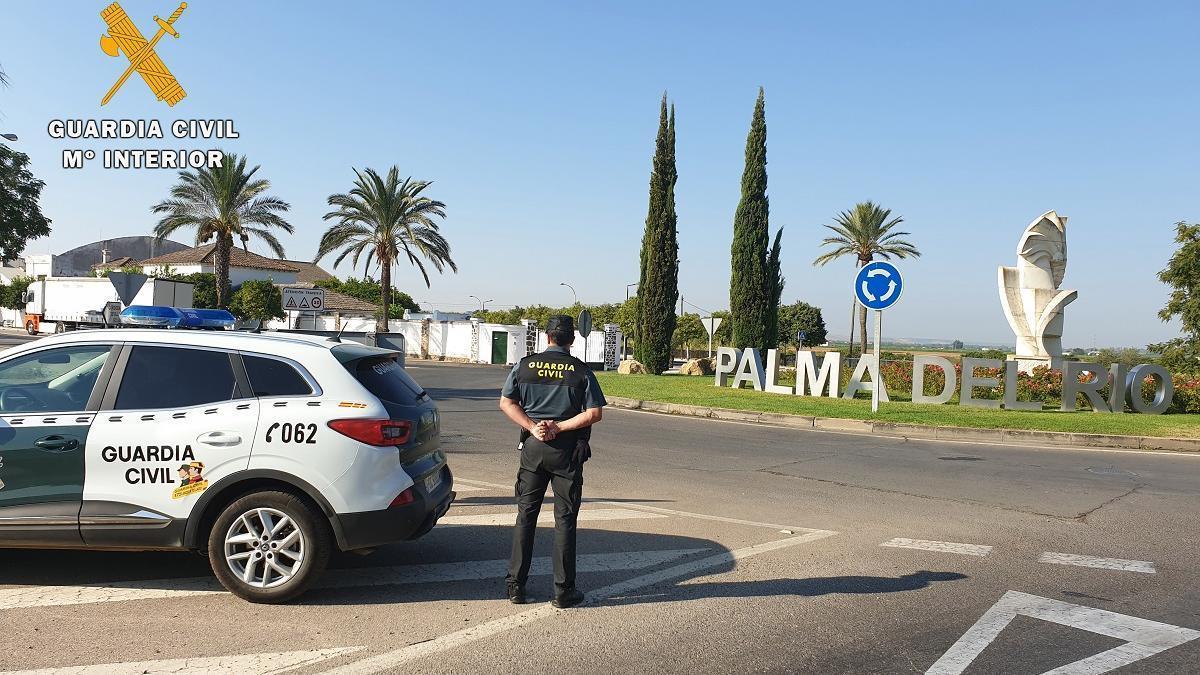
x,y
560,322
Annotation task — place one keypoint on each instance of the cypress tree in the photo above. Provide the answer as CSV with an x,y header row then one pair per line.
x,y
658,288
748,260
773,294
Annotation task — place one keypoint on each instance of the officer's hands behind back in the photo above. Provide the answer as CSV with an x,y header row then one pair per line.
x,y
545,430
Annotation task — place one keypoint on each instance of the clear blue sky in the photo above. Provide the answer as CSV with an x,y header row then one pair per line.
x,y
536,123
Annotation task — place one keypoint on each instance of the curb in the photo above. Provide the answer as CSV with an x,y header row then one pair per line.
x,y
418,361
915,431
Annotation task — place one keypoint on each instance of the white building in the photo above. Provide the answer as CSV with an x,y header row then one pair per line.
x,y
243,265
45,265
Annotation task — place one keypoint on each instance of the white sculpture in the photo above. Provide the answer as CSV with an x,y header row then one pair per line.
x,y
1030,295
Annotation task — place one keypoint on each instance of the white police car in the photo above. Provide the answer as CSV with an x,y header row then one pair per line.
x,y
264,451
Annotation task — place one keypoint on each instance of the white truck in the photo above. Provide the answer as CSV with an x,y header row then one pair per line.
x,y
59,304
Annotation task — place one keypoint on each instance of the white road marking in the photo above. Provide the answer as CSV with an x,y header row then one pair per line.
x,y
544,517
460,487
475,570
479,483
1143,566
939,546
392,659
1144,638
673,512
276,662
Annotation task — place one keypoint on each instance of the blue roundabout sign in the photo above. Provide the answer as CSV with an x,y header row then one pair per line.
x,y
878,285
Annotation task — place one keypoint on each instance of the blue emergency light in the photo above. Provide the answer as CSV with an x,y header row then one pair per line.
x,y
154,316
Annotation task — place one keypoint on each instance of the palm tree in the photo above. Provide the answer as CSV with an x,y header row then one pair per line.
x,y
865,232
387,220
223,203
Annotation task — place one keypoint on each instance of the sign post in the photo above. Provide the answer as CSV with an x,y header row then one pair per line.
x,y
711,324
878,286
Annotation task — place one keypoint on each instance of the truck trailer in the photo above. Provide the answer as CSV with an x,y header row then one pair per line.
x,y
59,304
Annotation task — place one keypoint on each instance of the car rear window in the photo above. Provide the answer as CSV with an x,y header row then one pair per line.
x,y
272,377
385,378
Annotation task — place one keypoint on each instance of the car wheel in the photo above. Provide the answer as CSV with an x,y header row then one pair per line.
x,y
60,327
31,327
269,547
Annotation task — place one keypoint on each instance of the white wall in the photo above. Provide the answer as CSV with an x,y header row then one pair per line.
x,y
152,270
516,341
595,346
237,275
447,339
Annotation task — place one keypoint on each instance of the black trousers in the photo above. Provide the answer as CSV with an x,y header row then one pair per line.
x,y
543,465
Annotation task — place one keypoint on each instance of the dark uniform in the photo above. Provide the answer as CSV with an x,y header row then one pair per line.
x,y
552,385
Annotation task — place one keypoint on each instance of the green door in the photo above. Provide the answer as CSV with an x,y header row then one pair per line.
x,y
45,397
500,347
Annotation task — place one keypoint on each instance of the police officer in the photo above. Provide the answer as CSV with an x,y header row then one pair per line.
x,y
555,399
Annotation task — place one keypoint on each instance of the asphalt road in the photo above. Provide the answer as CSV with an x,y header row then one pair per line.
x,y
12,337
705,546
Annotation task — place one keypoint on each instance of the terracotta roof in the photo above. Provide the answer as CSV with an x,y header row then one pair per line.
x,y
115,262
238,257
310,273
339,302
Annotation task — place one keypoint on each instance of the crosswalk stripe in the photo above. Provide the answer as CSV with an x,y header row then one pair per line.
x,y
475,570
274,662
939,546
546,517
1143,566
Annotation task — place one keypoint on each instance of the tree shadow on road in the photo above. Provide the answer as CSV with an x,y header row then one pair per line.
x,y
441,394
548,503
812,587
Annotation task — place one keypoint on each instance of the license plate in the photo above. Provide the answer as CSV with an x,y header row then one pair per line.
x,y
432,482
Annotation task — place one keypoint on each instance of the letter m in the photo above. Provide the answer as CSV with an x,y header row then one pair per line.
x,y
811,382
72,159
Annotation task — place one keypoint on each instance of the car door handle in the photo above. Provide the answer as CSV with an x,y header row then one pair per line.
x,y
57,443
220,439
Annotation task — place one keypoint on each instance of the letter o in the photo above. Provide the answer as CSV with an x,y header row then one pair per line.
x,y
1163,389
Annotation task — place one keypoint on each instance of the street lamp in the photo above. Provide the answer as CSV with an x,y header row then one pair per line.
x,y
482,303
572,291
11,137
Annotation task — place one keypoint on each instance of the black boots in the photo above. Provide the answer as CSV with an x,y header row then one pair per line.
x,y
516,593
567,598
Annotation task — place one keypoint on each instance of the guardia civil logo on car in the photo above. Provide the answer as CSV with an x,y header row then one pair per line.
x,y
264,452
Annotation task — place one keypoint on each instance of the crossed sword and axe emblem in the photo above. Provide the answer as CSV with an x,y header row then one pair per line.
x,y
124,37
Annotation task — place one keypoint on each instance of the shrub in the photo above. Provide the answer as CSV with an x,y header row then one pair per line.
x,y
257,300
10,295
1187,393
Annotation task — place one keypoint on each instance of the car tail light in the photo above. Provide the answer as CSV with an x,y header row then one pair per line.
x,y
381,433
403,498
